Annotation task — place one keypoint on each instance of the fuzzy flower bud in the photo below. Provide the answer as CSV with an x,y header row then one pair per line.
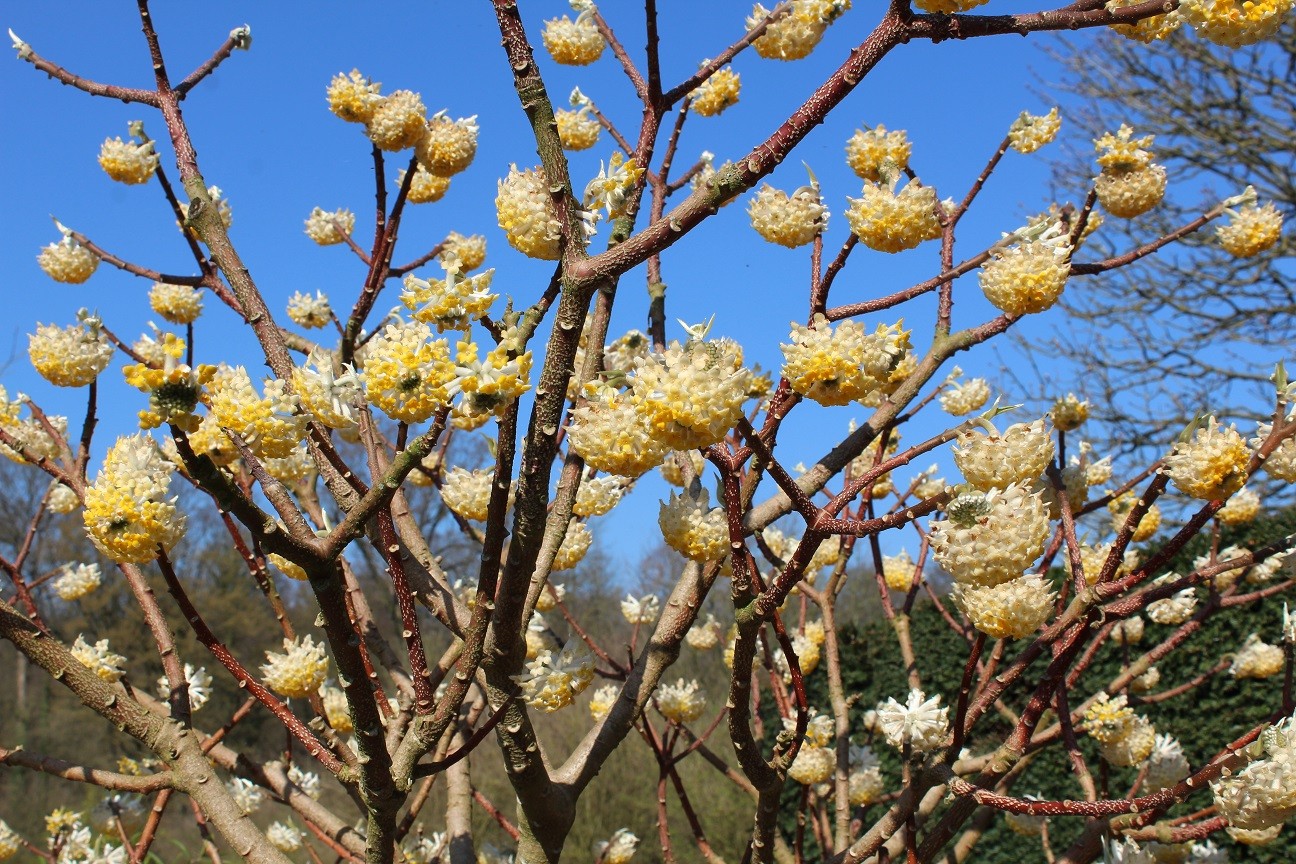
x,y
554,679
448,146
1148,29
71,356
268,424
1257,659
77,581
573,43
611,436
524,212
1233,23
691,395
693,529
353,97
1251,230
1030,132
575,543
796,34
681,702
965,397
788,220
1029,275
1010,610
598,495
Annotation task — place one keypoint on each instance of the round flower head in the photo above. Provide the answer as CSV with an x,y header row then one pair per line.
x,y
1210,466
1235,23
468,492
576,542
407,373
577,130
1149,29
1029,275
898,571
174,390
470,251
1120,509
994,461
598,495
1109,719
336,709
330,228
99,659
71,356
611,436
68,261
693,529
452,303
77,581
127,514
1257,659
603,700
965,397
284,836
1131,193
61,499
920,723
869,150
1010,610
892,222
1255,837
835,367
200,686
330,398
128,162
1251,230
269,423
812,765
491,384
705,635
691,395
448,146
681,702
1030,132
398,121
1128,631
716,93
1175,609
310,312
178,304
353,97
990,538
553,680
299,671
1242,508
1069,412
10,841
796,34
1281,463
948,7
425,187
640,610
573,43
524,211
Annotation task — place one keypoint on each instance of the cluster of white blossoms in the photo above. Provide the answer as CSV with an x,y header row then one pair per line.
x,y
200,686
336,709
468,492
99,658
603,700
177,304
10,841
329,397
452,303
598,495
920,723
997,460
575,543
1124,738
963,397
836,366
692,528
1233,24
1262,794
1175,609
795,35
269,424
869,151
1257,659
617,850
640,610
1166,764
67,260
890,221
577,130
864,782
328,228
524,212
1211,465
1281,463
574,43
71,356
1029,132
788,220
129,162
299,671
555,678
1029,275
816,760
703,635
681,702
284,836
127,513
77,581
1240,509
1130,183
311,312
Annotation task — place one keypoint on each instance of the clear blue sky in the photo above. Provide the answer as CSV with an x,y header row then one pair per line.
x,y
264,135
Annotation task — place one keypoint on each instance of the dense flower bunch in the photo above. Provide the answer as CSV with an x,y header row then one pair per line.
x,y
681,702
1030,132
468,492
992,537
845,364
1120,509
68,261
1235,23
869,151
310,312
77,581
1069,412
1029,275
127,514
577,130
892,222
598,495
1281,463
610,435
452,303
1123,737
398,121
99,658
329,229
299,672
470,251
1251,230
329,397
1010,610
618,850
425,187
692,394
704,635
1210,466
1130,183
995,461
10,841
407,373
575,543
1175,609
71,356
964,397
447,146
919,723
177,304
285,837
1263,793
553,680
127,161
174,389
526,215
716,93
788,220
353,97
692,528
490,384
1149,29
269,423
1257,659
640,610
199,681
574,43
795,35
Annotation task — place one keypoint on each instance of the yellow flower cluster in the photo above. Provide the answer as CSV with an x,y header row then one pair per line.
x,y
573,43
447,146
1069,412
336,709
174,390
1009,610
524,212
329,397
299,671
127,514
470,250
177,304
611,436
553,680
576,542
1130,183
71,356
835,367
610,188
99,659
1212,465
1175,609
598,495
489,385
865,783
1028,276
889,222
716,93
1128,631
330,228
640,610
1149,29
994,461
452,303
1124,738
691,395
68,261
603,700
1030,132
1242,508
796,34
353,97
693,529
705,635
1236,23
788,220
577,130
10,841
681,702
310,312
1257,659
468,492
398,121
425,187
407,373
812,765
77,581
868,150
269,424
965,397
1262,795
990,538
1251,230
128,162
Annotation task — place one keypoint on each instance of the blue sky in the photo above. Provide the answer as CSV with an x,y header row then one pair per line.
x,y
264,135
